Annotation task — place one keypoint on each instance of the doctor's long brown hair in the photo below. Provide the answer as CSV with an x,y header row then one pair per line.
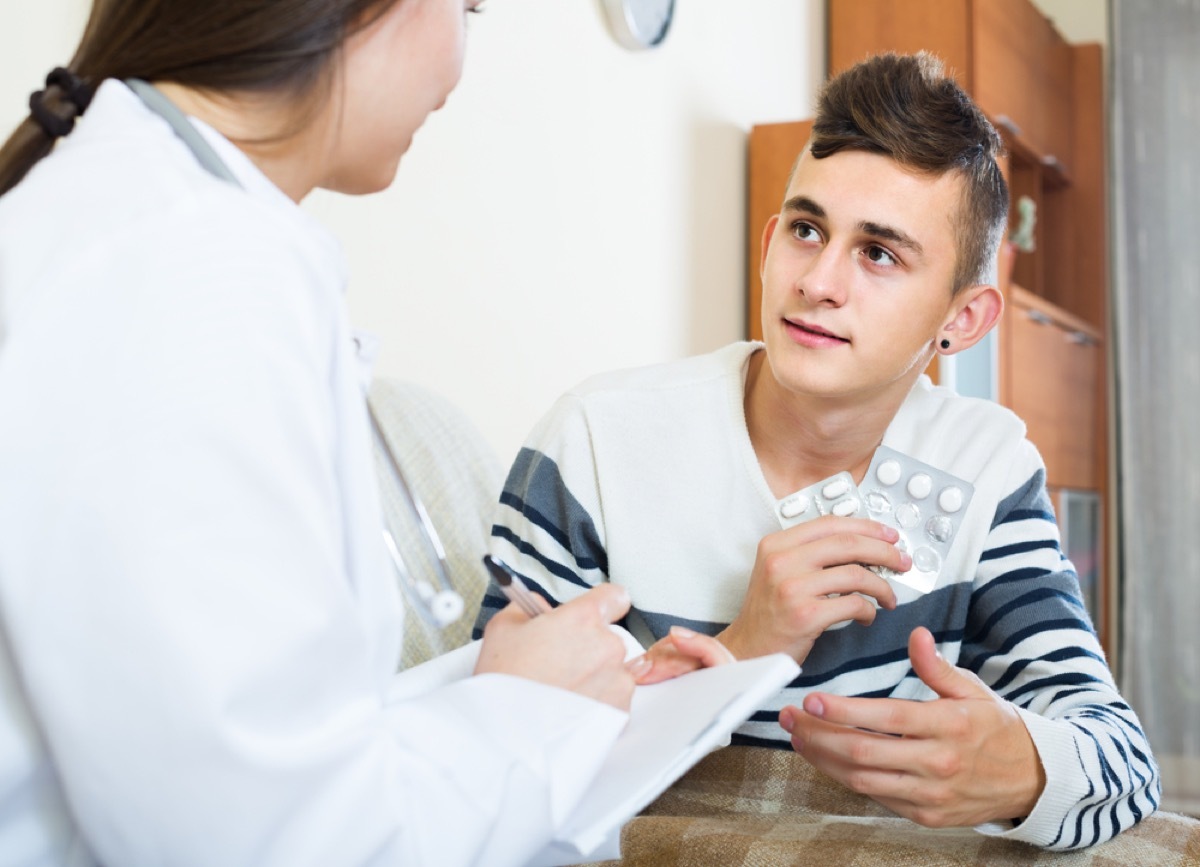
x,y
282,47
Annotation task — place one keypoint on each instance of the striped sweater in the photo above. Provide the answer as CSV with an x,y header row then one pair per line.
x,y
648,478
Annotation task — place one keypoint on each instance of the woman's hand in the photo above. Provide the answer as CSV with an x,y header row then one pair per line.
x,y
571,647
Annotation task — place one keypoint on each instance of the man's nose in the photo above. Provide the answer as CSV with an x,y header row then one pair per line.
x,y
825,279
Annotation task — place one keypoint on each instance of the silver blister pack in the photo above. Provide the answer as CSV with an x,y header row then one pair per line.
x,y
836,495
923,503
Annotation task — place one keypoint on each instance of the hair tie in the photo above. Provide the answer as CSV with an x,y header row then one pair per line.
x,y
78,93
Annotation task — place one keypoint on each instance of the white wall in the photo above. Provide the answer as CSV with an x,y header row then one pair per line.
x,y
1078,20
574,208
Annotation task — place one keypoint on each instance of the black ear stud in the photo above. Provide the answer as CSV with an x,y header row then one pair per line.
x,y
945,344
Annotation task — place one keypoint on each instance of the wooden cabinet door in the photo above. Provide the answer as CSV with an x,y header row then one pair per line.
x,y
772,152
860,28
1009,67
1053,370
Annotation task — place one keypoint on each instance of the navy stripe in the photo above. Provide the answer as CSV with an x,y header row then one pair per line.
x,y
556,569
1020,665
1013,639
1013,576
1025,515
1034,596
535,488
536,518
1071,677
1017,548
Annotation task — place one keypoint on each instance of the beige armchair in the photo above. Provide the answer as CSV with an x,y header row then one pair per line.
x,y
457,476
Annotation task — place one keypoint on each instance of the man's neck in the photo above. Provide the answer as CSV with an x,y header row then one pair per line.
x,y
801,440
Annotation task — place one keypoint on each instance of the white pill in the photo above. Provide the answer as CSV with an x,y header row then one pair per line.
x,y
908,515
950,499
846,507
796,504
888,472
835,489
919,486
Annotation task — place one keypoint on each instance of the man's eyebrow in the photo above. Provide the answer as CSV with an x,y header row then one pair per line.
x,y
805,204
888,233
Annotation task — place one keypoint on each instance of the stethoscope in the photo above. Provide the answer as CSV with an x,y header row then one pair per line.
x,y
439,606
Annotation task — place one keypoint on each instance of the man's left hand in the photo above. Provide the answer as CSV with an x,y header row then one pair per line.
x,y
963,758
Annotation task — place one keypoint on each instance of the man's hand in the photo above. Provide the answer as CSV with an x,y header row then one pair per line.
x,y
571,646
680,652
807,578
961,759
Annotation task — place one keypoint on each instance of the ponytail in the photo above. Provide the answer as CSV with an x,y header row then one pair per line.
x,y
52,114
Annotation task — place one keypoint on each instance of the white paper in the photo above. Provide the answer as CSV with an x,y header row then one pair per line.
x,y
672,725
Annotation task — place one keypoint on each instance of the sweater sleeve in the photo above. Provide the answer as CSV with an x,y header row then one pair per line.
x,y
1030,639
549,524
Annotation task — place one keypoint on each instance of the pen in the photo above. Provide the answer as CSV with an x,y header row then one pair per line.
x,y
512,586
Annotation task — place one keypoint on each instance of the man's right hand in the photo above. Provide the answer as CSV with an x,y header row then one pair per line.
x,y
571,646
807,578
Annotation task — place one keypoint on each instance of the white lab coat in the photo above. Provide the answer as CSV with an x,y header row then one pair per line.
x,y
199,620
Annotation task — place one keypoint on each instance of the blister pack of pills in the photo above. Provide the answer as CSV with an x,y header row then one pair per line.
x,y
836,495
923,503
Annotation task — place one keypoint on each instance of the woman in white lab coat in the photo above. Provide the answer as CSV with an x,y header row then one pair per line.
x,y
199,621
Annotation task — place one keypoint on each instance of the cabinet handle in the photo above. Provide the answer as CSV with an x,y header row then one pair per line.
x,y
1051,162
1039,317
1010,126
1081,338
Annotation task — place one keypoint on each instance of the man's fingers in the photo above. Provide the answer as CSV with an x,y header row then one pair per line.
x,y
681,652
939,675
703,648
829,525
888,716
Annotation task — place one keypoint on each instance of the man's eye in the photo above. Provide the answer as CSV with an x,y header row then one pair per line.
x,y
805,231
880,256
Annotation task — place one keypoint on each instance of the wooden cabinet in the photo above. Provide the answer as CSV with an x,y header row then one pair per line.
x,y
1046,98
1053,365
1005,53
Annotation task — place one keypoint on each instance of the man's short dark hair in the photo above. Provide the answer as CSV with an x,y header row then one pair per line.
x,y
904,106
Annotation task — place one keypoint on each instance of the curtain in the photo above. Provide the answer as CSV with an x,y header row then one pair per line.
x,y
1155,171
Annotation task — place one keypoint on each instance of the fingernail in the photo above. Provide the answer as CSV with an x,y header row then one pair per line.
x,y
638,667
682,632
814,706
787,720
617,604
905,560
891,533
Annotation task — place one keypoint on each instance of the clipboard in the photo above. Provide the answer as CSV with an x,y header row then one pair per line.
x,y
672,725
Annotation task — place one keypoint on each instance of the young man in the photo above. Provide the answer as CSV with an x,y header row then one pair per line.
x,y
986,701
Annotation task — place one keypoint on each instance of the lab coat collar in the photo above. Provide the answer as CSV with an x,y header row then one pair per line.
x,y
116,102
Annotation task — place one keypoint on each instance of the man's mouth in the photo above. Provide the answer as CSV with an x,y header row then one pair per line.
x,y
809,332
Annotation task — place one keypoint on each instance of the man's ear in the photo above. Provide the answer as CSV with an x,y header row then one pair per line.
x,y
974,312
768,231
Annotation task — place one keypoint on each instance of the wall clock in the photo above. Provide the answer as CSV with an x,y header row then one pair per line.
x,y
638,24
